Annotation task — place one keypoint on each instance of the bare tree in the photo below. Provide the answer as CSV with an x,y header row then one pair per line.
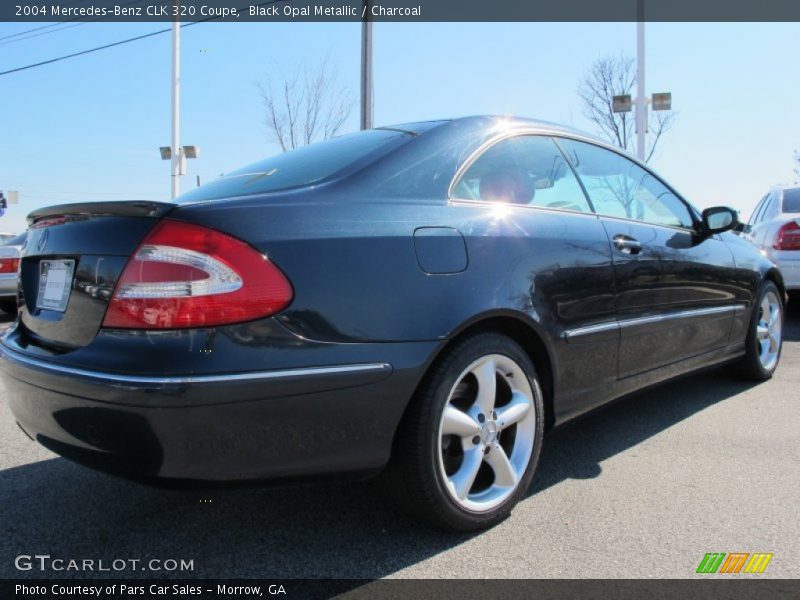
x,y
304,107
616,76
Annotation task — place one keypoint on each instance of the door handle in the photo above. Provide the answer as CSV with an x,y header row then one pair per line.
x,y
627,245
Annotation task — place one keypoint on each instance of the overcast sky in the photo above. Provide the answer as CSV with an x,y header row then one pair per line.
x,y
89,128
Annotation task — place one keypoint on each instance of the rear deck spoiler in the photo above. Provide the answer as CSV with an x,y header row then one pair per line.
x,y
121,208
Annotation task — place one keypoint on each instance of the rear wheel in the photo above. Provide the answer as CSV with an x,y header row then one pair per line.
x,y
469,442
765,336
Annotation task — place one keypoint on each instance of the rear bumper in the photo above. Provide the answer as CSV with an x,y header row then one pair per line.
x,y
790,270
273,424
789,264
8,286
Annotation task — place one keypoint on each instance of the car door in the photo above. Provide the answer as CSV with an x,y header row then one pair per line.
x,y
535,242
673,292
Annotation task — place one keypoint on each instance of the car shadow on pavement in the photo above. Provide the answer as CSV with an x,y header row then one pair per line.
x,y
792,322
576,450
324,530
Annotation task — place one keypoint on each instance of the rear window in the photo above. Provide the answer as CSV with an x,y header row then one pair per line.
x,y
17,240
791,200
301,167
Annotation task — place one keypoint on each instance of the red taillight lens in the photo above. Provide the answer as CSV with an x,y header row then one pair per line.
x,y
9,265
185,275
788,237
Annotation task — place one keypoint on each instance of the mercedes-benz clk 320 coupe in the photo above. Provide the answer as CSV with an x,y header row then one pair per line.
x,y
423,301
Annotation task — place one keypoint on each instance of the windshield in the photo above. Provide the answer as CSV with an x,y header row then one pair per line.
x,y
301,167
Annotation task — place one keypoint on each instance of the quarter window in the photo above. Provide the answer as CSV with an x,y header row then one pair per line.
x,y
528,170
620,188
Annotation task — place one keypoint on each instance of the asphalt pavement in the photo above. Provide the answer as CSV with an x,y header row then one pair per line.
x,y
643,488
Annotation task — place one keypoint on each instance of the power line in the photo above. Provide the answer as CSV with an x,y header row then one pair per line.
x,y
89,51
68,24
19,33
119,43
33,35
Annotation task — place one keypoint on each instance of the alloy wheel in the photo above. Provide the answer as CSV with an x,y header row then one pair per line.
x,y
486,433
769,329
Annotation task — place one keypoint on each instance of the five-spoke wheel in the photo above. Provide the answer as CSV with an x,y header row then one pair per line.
x,y
769,329
469,442
765,336
486,432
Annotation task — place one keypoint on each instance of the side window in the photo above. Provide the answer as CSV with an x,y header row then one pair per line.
x,y
526,170
619,187
759,207
769,209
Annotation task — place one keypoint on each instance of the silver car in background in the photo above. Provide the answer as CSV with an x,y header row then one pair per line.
x,y
9,269
775,228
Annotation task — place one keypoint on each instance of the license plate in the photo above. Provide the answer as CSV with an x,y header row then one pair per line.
x,y
55,281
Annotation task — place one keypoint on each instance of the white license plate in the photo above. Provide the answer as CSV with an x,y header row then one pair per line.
x,y
55,282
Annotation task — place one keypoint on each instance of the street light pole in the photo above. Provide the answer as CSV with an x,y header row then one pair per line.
x,y
176,102
366,68
641,99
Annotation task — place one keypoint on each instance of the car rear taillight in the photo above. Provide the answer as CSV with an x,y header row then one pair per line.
x,y
185,275
788,237
9,265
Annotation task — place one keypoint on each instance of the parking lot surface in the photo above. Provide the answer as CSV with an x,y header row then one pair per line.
x,y
643,488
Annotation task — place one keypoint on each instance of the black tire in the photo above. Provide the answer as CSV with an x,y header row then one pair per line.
x,y
413,478
9,306
750,365
794,299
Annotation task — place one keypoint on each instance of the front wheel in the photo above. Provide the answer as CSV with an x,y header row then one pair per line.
x,y
765,335
469,442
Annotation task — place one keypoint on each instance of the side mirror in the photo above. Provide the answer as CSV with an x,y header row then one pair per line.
x,y
718,219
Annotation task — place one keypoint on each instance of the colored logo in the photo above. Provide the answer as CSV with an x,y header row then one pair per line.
x,y
734,562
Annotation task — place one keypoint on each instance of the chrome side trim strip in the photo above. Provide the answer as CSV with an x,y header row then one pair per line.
x,y
101,376
681,314
623,323
590,329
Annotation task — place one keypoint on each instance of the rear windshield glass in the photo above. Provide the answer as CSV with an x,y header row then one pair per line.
x,y
791,200
15,241
301,167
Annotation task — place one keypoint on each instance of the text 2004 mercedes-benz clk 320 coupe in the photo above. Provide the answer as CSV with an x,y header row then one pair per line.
x,y
425,301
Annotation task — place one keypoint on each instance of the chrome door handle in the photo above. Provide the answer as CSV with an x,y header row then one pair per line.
x,y
627,245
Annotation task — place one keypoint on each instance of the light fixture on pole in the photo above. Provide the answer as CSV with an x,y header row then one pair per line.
x,y
620,104
178,159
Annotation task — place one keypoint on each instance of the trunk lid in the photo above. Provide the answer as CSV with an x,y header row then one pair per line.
x,y
71,260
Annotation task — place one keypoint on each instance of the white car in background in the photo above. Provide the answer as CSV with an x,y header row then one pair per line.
x,y
775,228
9,268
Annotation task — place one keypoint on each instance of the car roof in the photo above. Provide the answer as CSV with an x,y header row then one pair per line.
x,y
493,122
